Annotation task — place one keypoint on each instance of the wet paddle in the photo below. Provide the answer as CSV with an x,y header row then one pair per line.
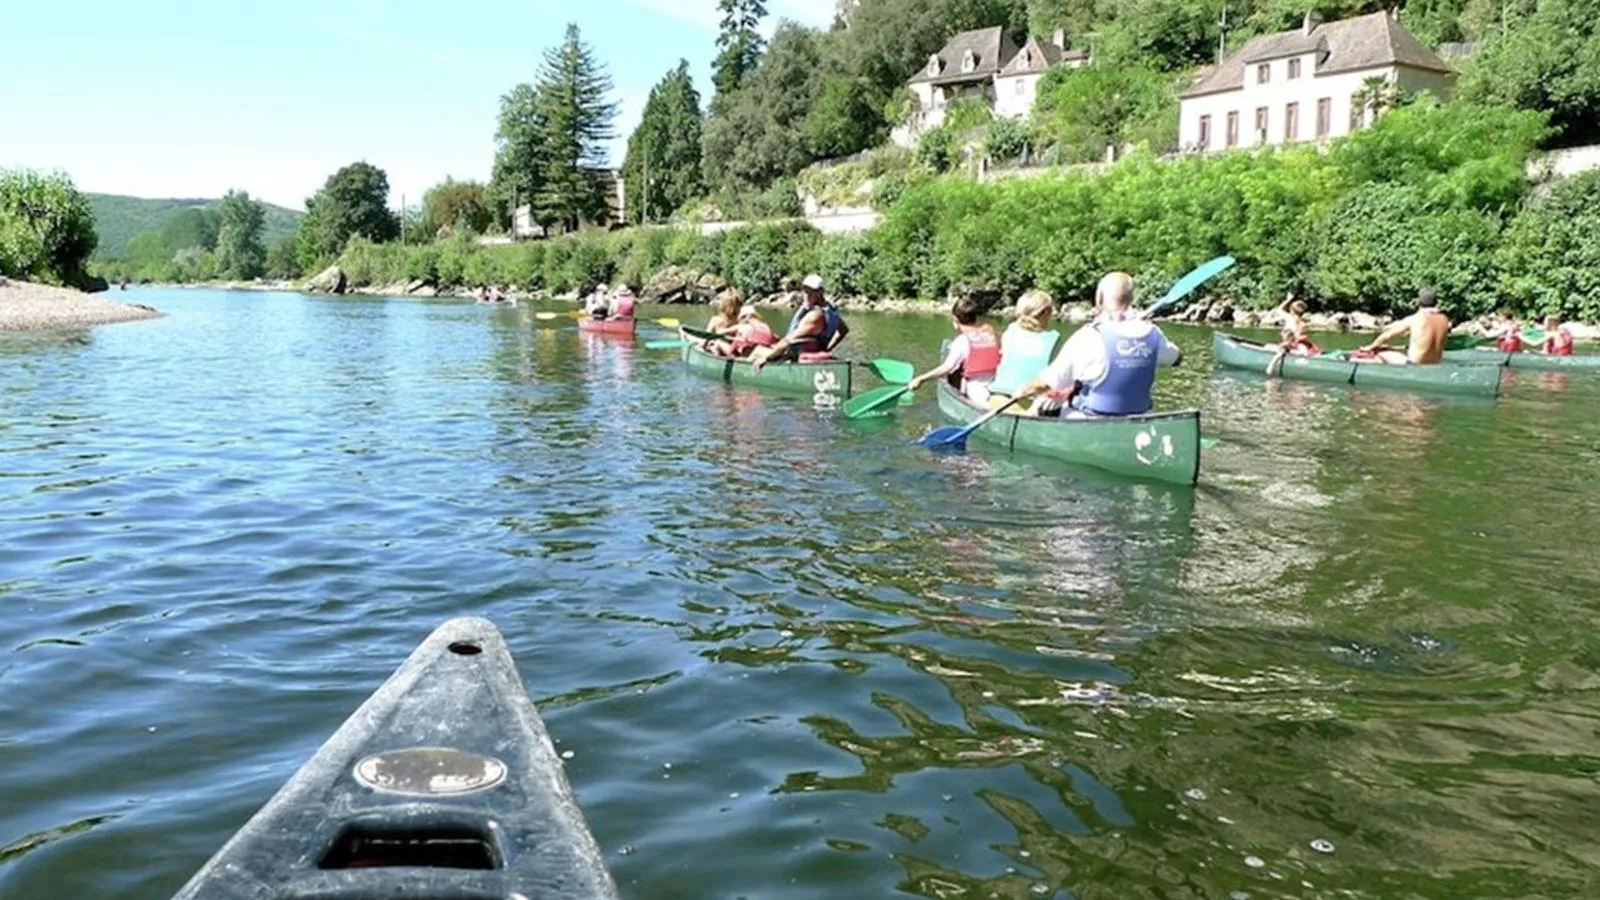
x,y
893,370
872,402
1186,285
954,437
674,344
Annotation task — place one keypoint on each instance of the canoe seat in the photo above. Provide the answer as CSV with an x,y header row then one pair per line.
x,y
816,357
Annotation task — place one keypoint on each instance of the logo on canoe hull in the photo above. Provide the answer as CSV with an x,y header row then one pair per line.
x,y
1149,450
826,384
430,772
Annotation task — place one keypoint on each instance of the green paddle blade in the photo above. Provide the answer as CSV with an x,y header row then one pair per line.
x,y
665,345
893,370
872,401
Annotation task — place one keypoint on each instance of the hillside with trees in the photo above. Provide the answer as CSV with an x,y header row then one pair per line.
x,y
118,219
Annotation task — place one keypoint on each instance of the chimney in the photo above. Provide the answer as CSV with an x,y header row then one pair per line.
x,y
1312,20
1059,38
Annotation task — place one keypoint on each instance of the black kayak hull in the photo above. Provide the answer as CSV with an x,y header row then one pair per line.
x,y
443,785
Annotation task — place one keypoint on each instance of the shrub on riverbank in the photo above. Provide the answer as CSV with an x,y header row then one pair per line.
x,y
46,228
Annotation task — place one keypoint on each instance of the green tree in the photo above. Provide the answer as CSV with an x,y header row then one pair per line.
x,y
739,43
46,228
457,205
1550,258
354,200
575,123
240,252
518,161
194,226
1550,62
847,118
283,258
758,135
1084,111
662,169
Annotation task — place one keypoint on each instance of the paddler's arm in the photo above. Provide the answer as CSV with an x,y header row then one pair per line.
x,y
782,346
952,361
1388,334
839,335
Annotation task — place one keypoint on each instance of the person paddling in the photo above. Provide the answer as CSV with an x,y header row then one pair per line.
x,y
1507,334
1427,329
971,359
817,328
1108,367
622,303
1296,334
598,305
751,332
1026,346
1558,340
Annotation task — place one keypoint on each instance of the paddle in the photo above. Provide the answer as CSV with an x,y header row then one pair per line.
x,y
669,323
954,437
673,344
893,370
700,333
873,401
1186,285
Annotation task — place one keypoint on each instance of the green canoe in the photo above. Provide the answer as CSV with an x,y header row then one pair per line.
x,y
1159,446
828,382
1537,362
1445,378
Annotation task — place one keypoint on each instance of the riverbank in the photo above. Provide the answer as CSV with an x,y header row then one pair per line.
x,y
25,306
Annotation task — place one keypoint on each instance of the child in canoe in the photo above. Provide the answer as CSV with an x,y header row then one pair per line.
x,y
1558,340
751,332
726,318
1026,346
972,359
1296,335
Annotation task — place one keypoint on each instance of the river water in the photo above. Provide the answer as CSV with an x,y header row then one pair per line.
x,y
792,656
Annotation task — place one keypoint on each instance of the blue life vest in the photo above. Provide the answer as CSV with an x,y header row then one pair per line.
x,y
1029,355
1131,365
830,326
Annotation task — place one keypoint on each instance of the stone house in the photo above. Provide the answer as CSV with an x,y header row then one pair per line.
x,y
985,66
1312,83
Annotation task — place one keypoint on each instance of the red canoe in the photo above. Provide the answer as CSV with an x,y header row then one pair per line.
x,y
609,326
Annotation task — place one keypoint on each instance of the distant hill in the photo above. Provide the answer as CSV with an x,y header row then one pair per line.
x,y
117,219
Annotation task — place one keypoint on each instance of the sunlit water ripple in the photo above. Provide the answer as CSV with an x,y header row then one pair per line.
x,y
793,656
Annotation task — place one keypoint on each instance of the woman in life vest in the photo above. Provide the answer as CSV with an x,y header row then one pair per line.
x,y
1026,346
1295,336
1558,340
971,359
623,303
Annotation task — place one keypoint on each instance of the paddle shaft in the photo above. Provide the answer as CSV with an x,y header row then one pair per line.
x,y
960,437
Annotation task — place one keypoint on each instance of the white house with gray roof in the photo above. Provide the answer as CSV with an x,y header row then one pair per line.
x,y
1306,84
985,66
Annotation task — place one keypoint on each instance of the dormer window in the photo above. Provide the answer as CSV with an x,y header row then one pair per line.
x,y
1027,58
969,62
933,65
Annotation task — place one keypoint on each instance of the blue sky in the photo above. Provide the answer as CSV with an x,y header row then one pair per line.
x,y
188,98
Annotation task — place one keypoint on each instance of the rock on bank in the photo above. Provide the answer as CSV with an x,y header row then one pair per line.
x,y
39,307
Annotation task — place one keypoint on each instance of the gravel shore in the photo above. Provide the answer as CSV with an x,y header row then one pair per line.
x,y
37,307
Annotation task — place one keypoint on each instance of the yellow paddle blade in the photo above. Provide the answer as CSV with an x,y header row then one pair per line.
x,y
668,323
544,316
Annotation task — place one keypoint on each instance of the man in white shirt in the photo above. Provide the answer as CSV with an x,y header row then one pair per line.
x,y
1108,367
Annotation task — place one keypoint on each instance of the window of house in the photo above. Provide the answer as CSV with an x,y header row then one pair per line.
x,y
1261,124
1294,68
1291,123
1324,116
1205,132
1022,87
969,62
933,64
1263,73
1358,116
1233,129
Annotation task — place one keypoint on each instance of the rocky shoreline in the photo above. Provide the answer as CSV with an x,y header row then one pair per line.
x,y
25,306
678,286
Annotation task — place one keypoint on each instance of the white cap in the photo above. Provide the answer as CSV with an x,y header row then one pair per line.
x,y
747,311
812,282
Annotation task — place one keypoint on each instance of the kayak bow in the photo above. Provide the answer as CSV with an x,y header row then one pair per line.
x,y
443,785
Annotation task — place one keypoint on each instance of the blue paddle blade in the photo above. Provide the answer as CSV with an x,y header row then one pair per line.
x,y
1186,285
950,437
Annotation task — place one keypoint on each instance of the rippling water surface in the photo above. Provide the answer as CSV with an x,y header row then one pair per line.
x,y
792,656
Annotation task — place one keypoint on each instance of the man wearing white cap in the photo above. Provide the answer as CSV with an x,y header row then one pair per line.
x,y
817,328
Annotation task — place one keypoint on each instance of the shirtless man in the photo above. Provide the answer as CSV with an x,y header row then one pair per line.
x,y
1427,329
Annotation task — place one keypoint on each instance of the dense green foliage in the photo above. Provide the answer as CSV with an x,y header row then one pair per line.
x,y
756,134
240,225
1549,61
118,220
739,43
1550,258
662,167
1081,112
46,228
353,201
454,205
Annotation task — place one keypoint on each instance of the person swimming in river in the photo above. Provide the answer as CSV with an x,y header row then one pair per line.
x,y
970,360
1295,336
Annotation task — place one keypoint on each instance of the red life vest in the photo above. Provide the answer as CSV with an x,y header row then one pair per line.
x,y
751,335
983,352
624,308
1511,343
1558,343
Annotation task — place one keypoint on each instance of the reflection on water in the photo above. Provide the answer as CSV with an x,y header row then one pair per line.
x,y
793,656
